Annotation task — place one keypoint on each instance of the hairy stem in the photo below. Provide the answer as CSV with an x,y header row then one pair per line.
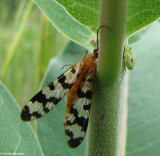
x,y
105,113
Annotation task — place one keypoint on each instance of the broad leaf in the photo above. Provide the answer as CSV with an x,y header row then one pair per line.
x,y
16,136
79,19
65,22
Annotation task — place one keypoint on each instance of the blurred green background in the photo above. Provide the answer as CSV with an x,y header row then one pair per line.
x,y
37,42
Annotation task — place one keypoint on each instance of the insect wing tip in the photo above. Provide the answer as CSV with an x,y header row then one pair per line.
x,y
25,115
73,143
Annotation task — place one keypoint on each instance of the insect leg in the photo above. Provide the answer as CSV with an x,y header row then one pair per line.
x,y
86,52
66,65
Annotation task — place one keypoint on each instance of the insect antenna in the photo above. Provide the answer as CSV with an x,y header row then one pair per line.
x,y
103,26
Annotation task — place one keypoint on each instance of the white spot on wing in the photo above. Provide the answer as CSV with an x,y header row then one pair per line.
x,y
35,107
50,105
71,118
76,130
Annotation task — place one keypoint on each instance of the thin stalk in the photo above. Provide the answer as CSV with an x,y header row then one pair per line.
x,y
16,40
104,125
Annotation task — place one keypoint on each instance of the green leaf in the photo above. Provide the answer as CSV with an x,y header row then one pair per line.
x,y
79,20
16,135
50,128
143,129
86,12
65,22
141,13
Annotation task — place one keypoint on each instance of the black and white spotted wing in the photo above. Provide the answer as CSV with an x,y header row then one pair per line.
x,y
49,96
77,121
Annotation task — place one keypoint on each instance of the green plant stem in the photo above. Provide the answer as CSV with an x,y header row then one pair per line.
x,y
103,136
16,40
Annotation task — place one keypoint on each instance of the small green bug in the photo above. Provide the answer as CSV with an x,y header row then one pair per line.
x,y
128,58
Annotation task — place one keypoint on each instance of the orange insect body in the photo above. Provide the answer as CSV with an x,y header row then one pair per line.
x,y
87,64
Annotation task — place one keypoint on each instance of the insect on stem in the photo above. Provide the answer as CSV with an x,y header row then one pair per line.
x,y
76,84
